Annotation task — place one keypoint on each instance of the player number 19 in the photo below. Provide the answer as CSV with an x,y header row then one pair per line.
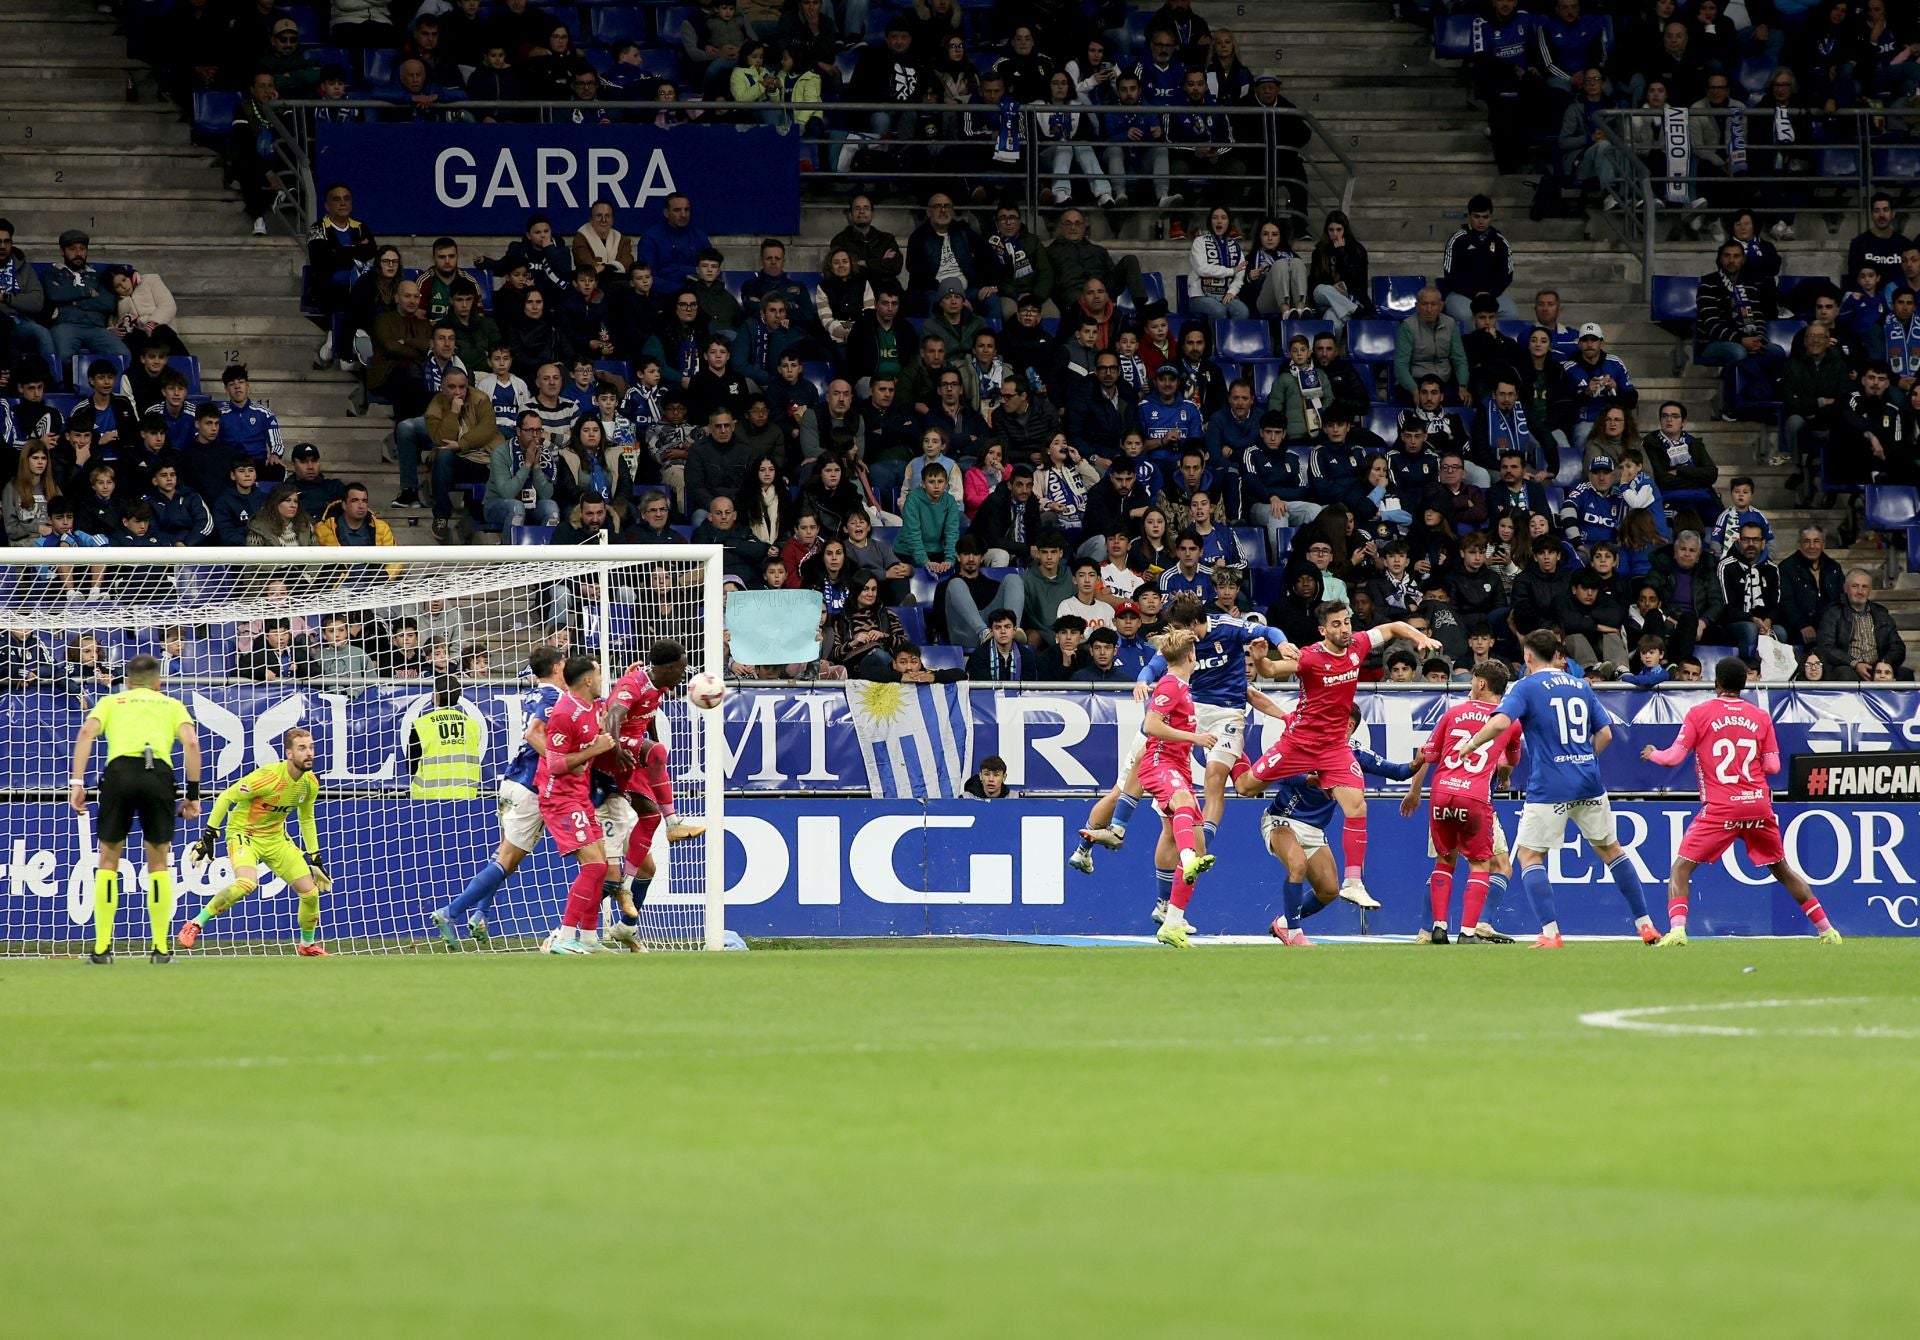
x,y
1572,715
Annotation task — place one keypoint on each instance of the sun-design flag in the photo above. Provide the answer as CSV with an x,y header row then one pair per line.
x,y
915,739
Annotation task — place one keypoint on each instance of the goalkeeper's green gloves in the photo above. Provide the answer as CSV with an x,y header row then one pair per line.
x,y
202,851
321,879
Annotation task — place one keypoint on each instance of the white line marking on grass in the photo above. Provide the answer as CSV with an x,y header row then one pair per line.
x,y
1648,1019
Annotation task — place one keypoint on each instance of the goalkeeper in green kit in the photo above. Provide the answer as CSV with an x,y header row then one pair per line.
x,y
259,804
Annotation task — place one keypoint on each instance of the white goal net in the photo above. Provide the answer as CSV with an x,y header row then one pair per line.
x,y
348,644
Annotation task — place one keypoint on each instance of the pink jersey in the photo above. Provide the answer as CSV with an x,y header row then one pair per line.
x,y
637,694
1172,700
571,727
1473,779
1734,748
1328,680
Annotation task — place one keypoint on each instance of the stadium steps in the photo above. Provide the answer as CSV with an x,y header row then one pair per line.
x,y
131,175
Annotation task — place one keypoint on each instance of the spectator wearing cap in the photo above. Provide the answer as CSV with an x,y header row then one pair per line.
x,y
295,74
1477,260
1597,381
951,319
317,491
1170,420
250,428
941,248
80,307
235,507
1077,261
249,149
1593,510
1132,650
1428,344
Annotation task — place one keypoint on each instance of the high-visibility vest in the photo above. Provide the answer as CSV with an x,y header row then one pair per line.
x,y
449,755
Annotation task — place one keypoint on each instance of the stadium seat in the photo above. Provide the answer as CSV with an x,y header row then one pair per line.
x,y
914,620
618,367
1383,421
1242,339
1261,372
306,19
1712,656
1312,329
1891,506
1780,334
1675,298
1839,163
1266,586
324,56
1393,295
1516,330
820,374
530,534
1135,43
845,62
661,64
734,279
1754,73
1283,540
923,584
80,362
1453,37
1900,161
189,367
611,26
378,67
1155,285
939,656
213,114
1913,548
1795,291
1370,341
1252,543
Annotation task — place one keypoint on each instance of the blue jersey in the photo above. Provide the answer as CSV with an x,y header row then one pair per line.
x,y
1559,716
534,704
1303,800
1220,660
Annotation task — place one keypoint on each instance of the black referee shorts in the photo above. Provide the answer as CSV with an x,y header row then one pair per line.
x,y
130,790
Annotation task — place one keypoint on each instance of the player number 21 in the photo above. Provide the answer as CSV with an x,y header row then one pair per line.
x,y
1572,714
1725,770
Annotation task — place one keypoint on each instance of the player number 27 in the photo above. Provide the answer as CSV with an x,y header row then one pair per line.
x,y
1572,715
1726,770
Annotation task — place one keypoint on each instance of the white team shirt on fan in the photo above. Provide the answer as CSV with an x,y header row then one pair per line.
x,y
1097,613
1120,582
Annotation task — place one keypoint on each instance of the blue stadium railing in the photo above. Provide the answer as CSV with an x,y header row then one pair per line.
x,y
1324,179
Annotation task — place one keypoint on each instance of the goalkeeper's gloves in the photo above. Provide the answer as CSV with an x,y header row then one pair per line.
x,y
202,851
321,879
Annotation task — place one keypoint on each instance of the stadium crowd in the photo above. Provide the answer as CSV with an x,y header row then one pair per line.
x,y
977,437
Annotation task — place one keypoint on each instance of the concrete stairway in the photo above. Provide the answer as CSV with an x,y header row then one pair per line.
x,y
75,153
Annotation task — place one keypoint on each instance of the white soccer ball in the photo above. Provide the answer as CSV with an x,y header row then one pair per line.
x,y
705,690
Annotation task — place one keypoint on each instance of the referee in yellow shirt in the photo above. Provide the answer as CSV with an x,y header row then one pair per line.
x,y
142,725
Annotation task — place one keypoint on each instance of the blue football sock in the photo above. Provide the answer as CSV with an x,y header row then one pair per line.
x,y
486,882
1123,809
1292,894
1210,828
1309,904
1496,895
1084,849
1164,879
1627,880
1539,889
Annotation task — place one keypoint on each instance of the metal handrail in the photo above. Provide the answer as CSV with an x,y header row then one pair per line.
x,y
1329,174
1642,193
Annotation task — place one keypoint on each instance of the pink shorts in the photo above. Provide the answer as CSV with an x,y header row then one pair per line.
x,y
1708,836
1163,780
1462,828
1291,757
571,828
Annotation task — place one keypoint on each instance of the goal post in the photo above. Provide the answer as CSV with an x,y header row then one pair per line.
x,y
347,643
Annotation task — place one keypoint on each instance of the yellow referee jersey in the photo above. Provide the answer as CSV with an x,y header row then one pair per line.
x,y
138,720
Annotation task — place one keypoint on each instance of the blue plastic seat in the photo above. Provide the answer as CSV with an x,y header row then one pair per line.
x,y
213,114
1754,73
1453,37
1675,298
1394,295
914,620
939,656
1780,334
1242,339
1891,506
378,67
820,374
1261,372
1371,340
78,365
1252,543
530,534
1155,285
612,26
1313,329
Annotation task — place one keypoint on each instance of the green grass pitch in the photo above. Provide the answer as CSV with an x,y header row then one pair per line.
x,y
964,1141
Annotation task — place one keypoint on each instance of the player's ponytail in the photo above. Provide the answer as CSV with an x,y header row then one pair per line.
x,y
1176,644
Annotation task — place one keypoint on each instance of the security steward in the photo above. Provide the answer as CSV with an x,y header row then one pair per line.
x,y
443,750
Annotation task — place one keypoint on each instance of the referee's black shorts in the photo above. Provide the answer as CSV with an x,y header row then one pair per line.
x,y
130,790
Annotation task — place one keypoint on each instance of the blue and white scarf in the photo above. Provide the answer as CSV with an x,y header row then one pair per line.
x,y
1676,141
1225,253
1903,346
1310,393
